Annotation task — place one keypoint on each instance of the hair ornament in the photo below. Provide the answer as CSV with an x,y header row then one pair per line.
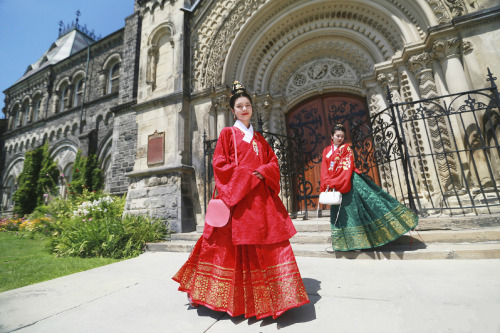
x,y
237,88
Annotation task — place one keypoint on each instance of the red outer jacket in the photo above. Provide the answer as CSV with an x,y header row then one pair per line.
x,y
336,169
258,215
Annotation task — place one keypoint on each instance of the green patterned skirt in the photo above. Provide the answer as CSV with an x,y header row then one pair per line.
x,y
368,217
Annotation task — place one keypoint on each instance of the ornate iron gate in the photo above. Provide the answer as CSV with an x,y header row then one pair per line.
x,y
437,155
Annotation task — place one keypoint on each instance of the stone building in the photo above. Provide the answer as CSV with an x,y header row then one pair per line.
x,y
178,59
76,97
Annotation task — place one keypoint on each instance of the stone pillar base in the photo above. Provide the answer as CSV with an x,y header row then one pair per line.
x,y
163,193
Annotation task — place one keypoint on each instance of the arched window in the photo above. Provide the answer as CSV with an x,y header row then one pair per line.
x,y
78,99
38,105
15,114
9,193
26,113
114,78
64,98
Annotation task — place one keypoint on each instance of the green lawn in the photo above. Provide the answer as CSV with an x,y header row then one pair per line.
x,y
24,261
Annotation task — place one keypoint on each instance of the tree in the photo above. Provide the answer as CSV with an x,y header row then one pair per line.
x,y
39,177
48,175
86,174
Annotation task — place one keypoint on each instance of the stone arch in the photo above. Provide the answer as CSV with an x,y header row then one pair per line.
x,y
110,74
109,117
63,96
160,55
64,154
78,79
11,175
37,105
253,31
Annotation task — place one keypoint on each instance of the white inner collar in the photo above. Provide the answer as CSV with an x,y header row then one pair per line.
x,y
248,131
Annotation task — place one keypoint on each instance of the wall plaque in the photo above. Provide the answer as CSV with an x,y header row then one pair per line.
x,y
156,148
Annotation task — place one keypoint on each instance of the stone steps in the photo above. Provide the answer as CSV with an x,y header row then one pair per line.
x,y
468,237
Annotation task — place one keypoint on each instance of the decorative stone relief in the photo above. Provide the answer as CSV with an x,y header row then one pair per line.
x,y
326,70
440,11
456,7
444,49
421,66
225,18
153,53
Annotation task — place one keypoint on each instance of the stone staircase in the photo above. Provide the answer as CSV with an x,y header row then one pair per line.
x,y
464,237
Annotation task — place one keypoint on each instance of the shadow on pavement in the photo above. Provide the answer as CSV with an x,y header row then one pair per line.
x,y
302,314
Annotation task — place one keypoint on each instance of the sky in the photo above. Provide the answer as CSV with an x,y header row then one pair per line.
x,y
29,27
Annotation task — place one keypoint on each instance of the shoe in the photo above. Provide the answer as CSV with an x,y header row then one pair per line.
x,y
190,300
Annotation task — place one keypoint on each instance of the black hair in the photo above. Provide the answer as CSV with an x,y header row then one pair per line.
x,y
338,127
238,91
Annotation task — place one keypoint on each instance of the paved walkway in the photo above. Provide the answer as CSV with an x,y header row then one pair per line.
x,y
137,295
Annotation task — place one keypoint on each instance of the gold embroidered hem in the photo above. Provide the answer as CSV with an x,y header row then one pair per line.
x,y
254,280
369,217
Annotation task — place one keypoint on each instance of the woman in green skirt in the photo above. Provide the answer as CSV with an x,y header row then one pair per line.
x,y
368,216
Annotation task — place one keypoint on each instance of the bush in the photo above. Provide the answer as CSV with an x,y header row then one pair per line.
x,y
37,180
108,237
96,229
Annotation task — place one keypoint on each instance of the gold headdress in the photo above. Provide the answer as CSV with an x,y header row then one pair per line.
x,y
237,88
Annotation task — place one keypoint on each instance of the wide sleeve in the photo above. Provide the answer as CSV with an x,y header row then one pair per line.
x,y
324,171
232,182
340,176
270,169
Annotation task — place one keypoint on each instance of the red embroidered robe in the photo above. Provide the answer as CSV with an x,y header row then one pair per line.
x,y
337,168
258,215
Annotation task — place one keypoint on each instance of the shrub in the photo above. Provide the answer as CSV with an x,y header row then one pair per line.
x,y
86,174
37,179
109,237
96,228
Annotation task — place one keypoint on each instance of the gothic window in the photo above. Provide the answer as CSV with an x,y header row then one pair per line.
x,y
26,113
37,104
78,99
15,113
64,98
114,78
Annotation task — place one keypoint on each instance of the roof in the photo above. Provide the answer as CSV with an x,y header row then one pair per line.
x,y
64,47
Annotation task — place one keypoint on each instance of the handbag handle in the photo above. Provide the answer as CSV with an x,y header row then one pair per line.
x,y
235,155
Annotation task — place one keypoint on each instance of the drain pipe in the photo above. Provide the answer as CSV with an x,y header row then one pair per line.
x,y
84,88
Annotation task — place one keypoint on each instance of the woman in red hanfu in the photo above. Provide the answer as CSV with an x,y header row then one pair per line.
x,y
246,267
368,216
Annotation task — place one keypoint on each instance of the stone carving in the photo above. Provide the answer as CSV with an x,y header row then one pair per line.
x,y
439,10
457,7
447,48
225,18
153,57
319,73
421,66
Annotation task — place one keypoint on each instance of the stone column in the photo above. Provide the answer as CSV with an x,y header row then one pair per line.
x,y
222,107
447,51
438,132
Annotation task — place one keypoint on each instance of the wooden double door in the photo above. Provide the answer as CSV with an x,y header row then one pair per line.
x,y
311,122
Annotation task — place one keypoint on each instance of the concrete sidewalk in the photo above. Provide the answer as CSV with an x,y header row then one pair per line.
x,y
138,295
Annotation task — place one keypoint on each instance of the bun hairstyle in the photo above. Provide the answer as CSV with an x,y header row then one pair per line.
x,y
237,91
338,127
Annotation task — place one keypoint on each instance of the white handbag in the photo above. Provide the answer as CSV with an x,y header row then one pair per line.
x,y
330,197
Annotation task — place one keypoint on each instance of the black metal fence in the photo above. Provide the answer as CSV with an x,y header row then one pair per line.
x,y
438,155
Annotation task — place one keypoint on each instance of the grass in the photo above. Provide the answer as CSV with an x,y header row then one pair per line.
x,y
25,261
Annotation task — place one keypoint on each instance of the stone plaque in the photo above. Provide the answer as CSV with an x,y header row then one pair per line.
x,y
156,148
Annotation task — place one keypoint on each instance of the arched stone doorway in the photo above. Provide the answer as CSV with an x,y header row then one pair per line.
x,y
312,121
